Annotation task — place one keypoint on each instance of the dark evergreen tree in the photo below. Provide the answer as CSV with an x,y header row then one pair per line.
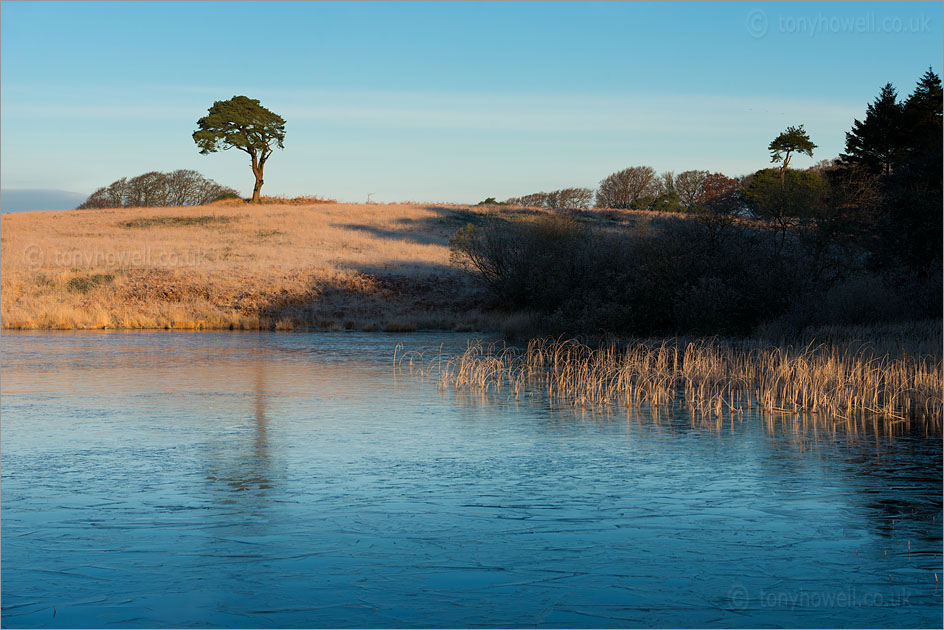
x,y
912,230
887,190
875,143
921,141
898,215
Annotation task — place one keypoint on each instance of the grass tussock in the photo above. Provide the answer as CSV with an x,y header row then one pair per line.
x,y
172,221
842,382
83,284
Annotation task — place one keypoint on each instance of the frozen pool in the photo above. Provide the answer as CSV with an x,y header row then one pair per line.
x,y
291,480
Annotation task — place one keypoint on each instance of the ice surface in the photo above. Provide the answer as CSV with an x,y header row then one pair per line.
x,y
293,480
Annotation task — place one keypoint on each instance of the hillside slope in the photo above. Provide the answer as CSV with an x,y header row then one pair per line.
x,y
325,266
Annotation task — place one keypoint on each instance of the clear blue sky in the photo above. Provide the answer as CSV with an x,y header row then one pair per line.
x,y
442,101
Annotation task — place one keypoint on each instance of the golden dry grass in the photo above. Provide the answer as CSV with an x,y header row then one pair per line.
x,y
233,265
844,382
304,262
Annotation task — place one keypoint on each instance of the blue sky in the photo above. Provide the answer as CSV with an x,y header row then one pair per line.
x,y
442,101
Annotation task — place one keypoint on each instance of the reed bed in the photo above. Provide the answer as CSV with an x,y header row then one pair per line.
x,y
840,383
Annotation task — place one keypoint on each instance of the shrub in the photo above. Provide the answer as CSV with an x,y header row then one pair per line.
x,y
668,202
802,194
624,189
517,259
227,196
83,284
705,275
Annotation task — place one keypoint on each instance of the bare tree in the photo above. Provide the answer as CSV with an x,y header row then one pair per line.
x,y
111,196
625,188
146,190
181,186
207,190
534,200
116,192
570,199
690,186
98,199
666,183
564,199
822,166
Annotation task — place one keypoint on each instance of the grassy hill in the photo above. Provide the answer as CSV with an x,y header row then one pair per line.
x,y
222,266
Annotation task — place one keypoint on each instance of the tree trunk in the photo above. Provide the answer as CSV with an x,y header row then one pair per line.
x,y
256,198
257,171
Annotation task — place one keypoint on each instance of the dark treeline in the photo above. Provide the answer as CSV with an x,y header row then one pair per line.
x,y
849,241
154,189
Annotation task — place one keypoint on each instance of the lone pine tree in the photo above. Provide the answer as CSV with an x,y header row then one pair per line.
x,y
244,124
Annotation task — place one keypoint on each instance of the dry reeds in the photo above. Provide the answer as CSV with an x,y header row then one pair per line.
x,y
840,382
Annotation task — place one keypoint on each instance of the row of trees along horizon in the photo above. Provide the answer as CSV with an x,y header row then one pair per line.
x,y
853,240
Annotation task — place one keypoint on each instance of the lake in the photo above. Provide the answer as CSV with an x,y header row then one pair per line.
x,y
155,479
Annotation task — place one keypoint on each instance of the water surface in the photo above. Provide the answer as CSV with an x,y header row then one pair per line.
x,y
293,480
